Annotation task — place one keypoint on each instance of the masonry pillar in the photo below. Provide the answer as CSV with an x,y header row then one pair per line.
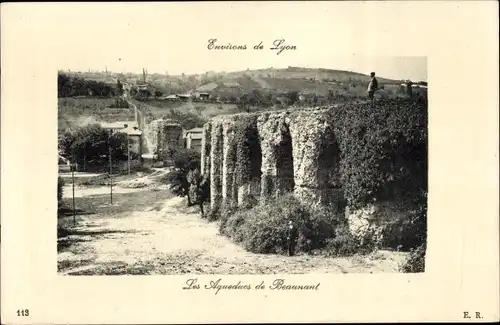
x,y
216,144
228,162
206,149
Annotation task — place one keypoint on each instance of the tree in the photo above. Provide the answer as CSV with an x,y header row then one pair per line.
x,y
331,96
293,97
91,144
119,86
145,93
185,160
199,189
60,186
243,103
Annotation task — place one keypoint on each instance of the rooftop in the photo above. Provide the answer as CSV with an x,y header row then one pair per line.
x,y
193,131
131,129
194,136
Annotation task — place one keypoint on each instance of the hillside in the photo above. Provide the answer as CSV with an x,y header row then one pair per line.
x,y
310,80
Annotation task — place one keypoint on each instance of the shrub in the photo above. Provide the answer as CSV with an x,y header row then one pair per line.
x,y
415,262
343,244
264,228
60,185
185,161
199,189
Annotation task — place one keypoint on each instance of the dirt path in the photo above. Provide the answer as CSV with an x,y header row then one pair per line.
x,y
173,239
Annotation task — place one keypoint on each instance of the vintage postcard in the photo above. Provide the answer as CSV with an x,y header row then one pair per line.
x,y
243,162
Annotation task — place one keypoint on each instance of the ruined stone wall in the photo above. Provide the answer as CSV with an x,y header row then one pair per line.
x,y
163,135
216,161
294,151
206,149
298,154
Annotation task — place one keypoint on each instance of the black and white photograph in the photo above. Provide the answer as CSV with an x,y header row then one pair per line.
x,y
249,162
256,171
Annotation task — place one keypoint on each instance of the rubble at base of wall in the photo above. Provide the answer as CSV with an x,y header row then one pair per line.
x,y
371,220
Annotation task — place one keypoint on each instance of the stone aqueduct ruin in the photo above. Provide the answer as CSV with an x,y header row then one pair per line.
x,y
277,152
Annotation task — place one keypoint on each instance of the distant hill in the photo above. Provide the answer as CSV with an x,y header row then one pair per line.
x,y
316,74
303,80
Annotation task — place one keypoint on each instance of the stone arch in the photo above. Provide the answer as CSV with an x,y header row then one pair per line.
x,y
249,164
284,163
328,172
255,152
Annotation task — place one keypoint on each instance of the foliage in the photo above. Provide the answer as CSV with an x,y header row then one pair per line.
x,y
60,186
91,145
185,161
119,87
199,188
144,93
187,120
415,263
407,234
383,149
293,97
119,103
253,99
158,93
70,86
264,228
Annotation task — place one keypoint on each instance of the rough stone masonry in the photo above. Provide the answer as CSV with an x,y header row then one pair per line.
x,y
279,152
298,153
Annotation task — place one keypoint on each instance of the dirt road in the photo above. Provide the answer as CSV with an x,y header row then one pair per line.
x,y
168,238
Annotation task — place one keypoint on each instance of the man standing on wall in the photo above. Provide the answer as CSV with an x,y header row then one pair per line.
x,y
372,86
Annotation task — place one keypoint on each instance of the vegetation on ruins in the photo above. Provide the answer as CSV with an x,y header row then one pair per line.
x,y
384,158
383,149
352,159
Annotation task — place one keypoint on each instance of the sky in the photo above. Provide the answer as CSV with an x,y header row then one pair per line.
x,y
173,37
414,68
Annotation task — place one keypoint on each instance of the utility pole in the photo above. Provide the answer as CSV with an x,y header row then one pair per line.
x,y
128,149
110,167
128,153
72,166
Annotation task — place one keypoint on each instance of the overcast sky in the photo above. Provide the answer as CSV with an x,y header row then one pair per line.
x,y
173,37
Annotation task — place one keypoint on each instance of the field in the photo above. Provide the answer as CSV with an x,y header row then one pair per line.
x,y
73,112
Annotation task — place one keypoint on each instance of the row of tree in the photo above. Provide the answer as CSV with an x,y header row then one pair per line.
x,y
71,86
91,145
